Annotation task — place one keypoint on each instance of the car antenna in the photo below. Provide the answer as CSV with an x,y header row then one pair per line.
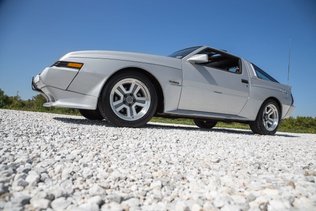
x,y
289,62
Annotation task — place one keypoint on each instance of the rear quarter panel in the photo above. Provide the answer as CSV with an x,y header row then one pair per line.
x,y
261,90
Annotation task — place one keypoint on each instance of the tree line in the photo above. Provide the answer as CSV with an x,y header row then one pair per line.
x,y
34,104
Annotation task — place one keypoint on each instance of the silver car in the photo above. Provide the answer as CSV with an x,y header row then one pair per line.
x,y
201,83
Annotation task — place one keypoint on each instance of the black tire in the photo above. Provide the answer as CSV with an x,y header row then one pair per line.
x,y
205,124
91,114
259,127
116,117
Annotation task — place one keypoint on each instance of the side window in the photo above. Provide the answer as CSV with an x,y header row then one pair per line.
x,y
262,74
221,61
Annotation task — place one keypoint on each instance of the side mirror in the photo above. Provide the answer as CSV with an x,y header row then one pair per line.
x,y
198,59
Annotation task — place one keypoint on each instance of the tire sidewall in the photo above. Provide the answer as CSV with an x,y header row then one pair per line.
x,y
104,100
259,120
91,114
205,124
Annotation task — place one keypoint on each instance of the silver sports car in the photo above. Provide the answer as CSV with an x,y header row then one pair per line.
x,y
202,83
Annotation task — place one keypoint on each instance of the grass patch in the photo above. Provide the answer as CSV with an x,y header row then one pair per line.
x,y
293,125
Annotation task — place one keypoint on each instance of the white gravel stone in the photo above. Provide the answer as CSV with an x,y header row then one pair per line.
x,y
20,199
304,203
96,200
182,206
220,201
88,207
275,205
66,187
196,207
60,162
113,206
60,204
156,185
40,203
115,198
32,178
3,189
96,190
132,203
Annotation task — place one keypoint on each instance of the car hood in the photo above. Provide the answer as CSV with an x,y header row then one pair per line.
x,y
127,56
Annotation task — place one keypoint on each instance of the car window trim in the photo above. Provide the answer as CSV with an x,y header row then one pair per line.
x,y
227,54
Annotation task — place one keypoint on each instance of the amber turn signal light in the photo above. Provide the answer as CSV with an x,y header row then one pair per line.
x,y
75,65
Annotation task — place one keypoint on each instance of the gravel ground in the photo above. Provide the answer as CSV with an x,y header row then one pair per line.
x,y
59,162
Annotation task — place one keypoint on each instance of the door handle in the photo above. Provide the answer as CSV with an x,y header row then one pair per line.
x,y
217,92
244,81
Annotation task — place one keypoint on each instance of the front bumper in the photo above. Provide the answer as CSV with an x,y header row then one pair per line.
x,y
39,86
59,96
35,80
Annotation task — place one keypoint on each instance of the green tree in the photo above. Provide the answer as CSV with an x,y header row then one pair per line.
x,y
16,102
2,96
5,101
38,102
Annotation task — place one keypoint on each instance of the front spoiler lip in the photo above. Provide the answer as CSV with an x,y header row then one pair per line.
x,y
34,86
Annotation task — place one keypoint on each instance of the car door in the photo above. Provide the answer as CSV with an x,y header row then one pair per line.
x,y
217,86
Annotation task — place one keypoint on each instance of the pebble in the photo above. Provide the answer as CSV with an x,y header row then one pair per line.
x,y
115,198
196,207
19,199
182,206
96,190
113,206
61,162
40,203
89,207
32,178
3,189
156,185
131,203
60,204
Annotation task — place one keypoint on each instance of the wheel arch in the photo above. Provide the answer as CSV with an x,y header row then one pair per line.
x,y
160,105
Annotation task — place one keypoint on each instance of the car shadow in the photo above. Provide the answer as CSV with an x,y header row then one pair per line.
x,y
192,128
223,130
83,121
162,126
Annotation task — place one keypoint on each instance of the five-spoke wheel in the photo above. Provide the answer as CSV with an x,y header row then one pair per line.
x,y
268,119
129,99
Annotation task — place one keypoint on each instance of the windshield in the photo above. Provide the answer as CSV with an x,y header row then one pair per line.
x,y
184,52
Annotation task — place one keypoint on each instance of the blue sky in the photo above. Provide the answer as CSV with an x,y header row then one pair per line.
x,y
35,33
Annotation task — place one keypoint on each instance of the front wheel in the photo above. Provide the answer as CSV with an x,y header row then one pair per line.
x,y
206,124
129,99
268,119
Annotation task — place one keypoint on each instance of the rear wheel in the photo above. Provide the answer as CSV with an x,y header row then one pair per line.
x,y
129,99
91,114
206,124
268,119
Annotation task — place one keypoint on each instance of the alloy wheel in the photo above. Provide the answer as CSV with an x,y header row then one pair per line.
x,y
270,117
130,99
